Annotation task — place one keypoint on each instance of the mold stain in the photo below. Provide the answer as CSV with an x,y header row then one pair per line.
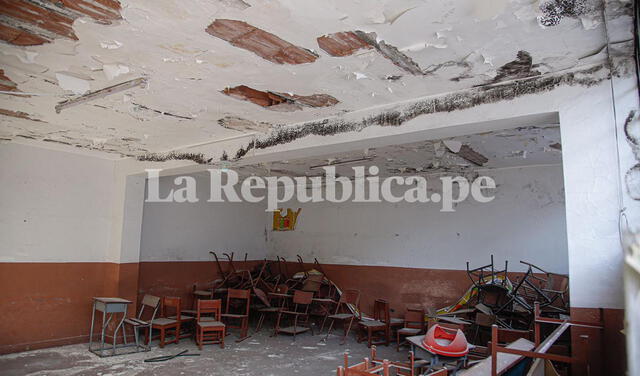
x,y
198,158
490,93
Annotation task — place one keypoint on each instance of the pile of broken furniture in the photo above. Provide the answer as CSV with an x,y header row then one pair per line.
x,y
497,325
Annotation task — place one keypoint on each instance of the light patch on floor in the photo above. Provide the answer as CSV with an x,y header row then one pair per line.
x,y
259,355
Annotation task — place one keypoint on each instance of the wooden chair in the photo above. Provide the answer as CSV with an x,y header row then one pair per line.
x,y
277,302
343,312
166,323
414,325
380,323
300,312
152,303
376,367
241,298
209,329
197,295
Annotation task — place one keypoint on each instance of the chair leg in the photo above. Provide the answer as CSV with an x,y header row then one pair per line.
x,y
260,320
346,334
397,342
276,329
162,334
295,327
222,339
329,330
369,334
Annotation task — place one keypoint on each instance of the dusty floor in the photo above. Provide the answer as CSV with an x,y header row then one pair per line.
x,y
257,355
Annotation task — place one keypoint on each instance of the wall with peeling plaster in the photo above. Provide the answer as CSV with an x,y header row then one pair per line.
x,y
188,231
54,206
526,221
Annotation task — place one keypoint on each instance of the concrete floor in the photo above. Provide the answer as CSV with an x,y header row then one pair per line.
x,y
257,355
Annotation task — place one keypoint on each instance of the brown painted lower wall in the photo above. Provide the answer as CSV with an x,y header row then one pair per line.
x,y
604,351
49,304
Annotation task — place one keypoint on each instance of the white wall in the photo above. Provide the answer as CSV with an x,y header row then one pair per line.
x,y
55,206
526,221
188,231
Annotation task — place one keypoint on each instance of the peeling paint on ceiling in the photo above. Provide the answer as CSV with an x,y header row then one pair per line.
x,y
416,49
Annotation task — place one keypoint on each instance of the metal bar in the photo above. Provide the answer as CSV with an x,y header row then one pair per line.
x,y
141,81
534,354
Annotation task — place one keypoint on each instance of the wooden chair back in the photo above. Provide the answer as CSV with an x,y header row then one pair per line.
x,y
171,306
302,300
209,307
241,296
381,311
151,302
414,318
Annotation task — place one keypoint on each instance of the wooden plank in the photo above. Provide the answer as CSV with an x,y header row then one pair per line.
x,y
504,361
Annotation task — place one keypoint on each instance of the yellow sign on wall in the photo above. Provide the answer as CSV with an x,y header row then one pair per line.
x,y
286,222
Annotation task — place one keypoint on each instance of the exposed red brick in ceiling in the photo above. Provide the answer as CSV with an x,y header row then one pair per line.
x,y
33,22
17,114
6,84
272,98
260,42
344,43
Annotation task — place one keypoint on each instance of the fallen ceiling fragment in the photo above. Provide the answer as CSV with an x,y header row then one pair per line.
x,y
271,98
31,22
260,42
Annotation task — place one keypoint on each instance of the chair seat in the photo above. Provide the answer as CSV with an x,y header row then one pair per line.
x,y
341,316
135,322
396,321
162,321
189,312
372,323
234,315
409,331
269,309
182,317
294,313
202,293
210,324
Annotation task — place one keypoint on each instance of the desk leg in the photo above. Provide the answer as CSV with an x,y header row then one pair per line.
x,y
93,315
115,332
102,333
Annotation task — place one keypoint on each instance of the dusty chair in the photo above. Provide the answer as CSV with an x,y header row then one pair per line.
x,y
166,323
414,325
277,301
375,367
343,312
243,299
152,303
300,312
381,323
209,329
197,295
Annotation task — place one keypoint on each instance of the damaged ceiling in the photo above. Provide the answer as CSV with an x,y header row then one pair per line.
x,y
152,76
517,147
